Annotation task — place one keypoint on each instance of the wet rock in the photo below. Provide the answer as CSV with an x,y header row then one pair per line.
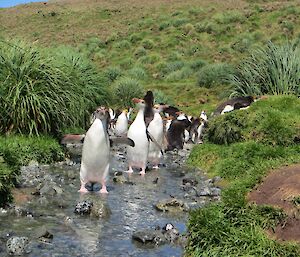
x,y
83,208
17,245
204,191
119,177
100,210
215,191
20,211
170,232
216,179
43,234
51,189
149,236
172,205
3,212
189,181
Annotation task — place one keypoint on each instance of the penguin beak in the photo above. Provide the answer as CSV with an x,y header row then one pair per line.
x,y
136,100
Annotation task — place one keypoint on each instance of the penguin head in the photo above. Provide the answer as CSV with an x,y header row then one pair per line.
x,y
157,108
140,103
101,113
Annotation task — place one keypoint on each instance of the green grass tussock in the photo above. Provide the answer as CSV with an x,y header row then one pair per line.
x,y
45,91
125,89
271,70
214,74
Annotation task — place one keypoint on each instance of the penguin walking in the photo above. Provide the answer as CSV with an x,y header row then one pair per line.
x,y
203,119
156,130
121,127
137,155
95,153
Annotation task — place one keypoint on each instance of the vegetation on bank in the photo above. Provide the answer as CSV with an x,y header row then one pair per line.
x,y
17,151
266,141
46,90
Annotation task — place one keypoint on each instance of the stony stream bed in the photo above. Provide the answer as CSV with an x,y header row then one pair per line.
x,y
43,215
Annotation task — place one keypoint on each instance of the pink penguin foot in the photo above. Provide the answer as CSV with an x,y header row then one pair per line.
x,y
142,172
83,190
103,191
156,167
130,170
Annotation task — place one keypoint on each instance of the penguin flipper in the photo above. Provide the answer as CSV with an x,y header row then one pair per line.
x,y
150,137
121,140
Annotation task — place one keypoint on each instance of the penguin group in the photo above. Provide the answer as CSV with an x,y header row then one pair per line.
x,y
156,129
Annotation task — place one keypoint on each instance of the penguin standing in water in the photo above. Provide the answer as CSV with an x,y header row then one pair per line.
x,y
95,153
137,155
156,130
121,127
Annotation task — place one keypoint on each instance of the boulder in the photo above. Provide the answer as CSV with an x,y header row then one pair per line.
x,y
189,181
100,210
155,237
172,205
17,245
83,208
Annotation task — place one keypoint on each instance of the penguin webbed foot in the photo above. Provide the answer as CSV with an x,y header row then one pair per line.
x,y
103,190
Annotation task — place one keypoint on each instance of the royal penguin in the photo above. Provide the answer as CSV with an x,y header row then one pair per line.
x,y
148,112
121,126
236,103
95,153
156,130
203,120
137,156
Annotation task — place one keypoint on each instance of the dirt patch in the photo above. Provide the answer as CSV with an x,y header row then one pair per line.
x,y
279,189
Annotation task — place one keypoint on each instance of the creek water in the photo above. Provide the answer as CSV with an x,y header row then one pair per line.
x,y
131,205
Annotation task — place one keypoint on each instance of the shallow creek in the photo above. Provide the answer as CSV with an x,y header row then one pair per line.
x,y
131,204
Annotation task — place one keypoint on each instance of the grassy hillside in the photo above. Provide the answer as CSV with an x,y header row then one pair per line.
x,y
164,44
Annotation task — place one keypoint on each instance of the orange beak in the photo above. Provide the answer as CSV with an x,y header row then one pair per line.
x,y
136,100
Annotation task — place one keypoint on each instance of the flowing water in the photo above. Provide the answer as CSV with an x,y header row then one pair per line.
x,y
131,205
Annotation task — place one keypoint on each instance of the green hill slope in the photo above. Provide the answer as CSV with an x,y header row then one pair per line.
x,y
164,44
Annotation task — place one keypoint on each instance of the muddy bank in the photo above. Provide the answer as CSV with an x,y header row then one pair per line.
x,y
281,188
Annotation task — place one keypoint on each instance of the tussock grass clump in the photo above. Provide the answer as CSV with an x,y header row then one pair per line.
x,y
137,73
113,73
214,74
44,92
229,17
177,75
161,97
148,43
125,89
271,70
